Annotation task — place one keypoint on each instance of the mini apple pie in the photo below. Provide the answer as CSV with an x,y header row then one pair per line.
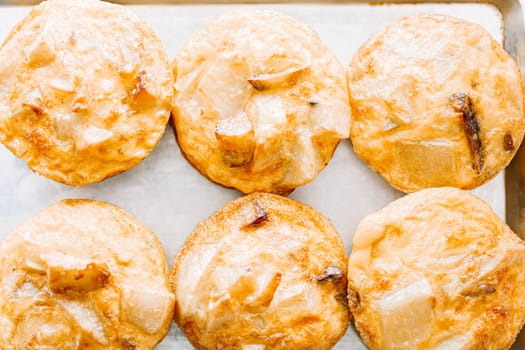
x,y
85,90
263,272
436,101
260,103
83,274
438,270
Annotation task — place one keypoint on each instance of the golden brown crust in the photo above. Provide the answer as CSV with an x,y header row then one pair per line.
x,y
260,103
256,275
407,84
85,90
437,269
90,273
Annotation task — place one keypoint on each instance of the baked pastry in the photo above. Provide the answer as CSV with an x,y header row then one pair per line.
x,y
85,90
436,101
83,274
437,269
263,272
260,103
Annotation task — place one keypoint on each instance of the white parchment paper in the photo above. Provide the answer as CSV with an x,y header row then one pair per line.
x,y
170,197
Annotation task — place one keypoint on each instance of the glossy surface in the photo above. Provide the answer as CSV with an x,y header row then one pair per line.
x,y
170,197
255,275
86,90
260,102
409,84
83,274
436,268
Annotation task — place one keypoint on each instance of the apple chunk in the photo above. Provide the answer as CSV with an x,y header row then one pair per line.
x,y
65,272
330,119
269,119
425,161
237,139
225,87
283,79
147,308
407,316
86,318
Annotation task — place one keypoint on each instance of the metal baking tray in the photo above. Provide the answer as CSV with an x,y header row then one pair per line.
x,y
170,197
